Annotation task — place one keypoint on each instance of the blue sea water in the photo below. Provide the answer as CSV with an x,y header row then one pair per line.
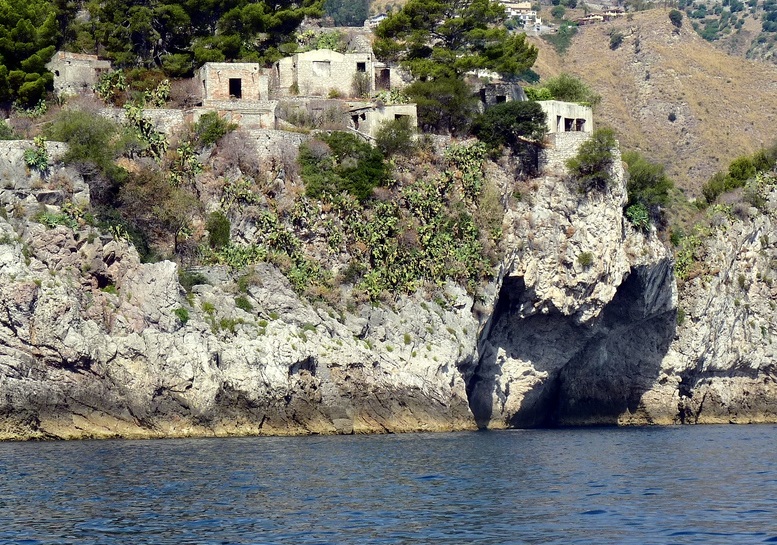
x,y
704,484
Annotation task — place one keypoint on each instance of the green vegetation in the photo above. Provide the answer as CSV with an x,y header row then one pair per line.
x,y
512,124
445,104
189,279
37,157
243,303
585,259
341,162
396,137
567,88
439,39
210,128
218,228
182,314
562,39
591,167
649,188
347,12
740,171
438,42
29,32
676,18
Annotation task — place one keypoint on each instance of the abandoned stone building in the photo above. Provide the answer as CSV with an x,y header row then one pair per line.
x,y
367,117
222,81
496,93
75,73
323,72
567,117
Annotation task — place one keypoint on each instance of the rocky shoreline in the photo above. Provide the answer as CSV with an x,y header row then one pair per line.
x,y
581,326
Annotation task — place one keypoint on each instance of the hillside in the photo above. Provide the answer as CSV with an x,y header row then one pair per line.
x,y
672,95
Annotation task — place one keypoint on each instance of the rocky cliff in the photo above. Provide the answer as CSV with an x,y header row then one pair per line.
x,y
578,327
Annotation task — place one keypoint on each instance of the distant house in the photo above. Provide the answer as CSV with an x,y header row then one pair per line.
x,y
374,21
76,73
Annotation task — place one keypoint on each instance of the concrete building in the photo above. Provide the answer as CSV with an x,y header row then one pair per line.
x,y
225,81
567,117
76,73
323,72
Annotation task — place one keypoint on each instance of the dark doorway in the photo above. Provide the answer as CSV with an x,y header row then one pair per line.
x,y
235,87
384,79
361,66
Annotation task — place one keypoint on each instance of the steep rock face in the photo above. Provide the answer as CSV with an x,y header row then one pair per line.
x,y
585,313
722,365
91,346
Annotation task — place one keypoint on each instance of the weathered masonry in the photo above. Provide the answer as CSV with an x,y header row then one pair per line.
x,y
567,116
324,72
233,81
76,73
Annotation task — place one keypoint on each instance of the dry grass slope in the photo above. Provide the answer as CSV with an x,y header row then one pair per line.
x,y
723,106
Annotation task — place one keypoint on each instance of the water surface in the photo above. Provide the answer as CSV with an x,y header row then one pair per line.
x,y
702,484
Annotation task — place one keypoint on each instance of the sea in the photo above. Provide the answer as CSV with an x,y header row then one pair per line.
x,y
653,485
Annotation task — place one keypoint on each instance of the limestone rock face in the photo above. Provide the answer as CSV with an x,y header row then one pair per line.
x,y
585,312
722,364
92,344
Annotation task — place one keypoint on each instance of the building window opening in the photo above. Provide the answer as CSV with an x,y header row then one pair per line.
x,y
400,116
355,119
559,124
500,99
580,125
236,87
483,96
322,69
569,124
361,66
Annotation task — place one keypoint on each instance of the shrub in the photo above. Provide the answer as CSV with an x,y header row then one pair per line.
x,y
395,137
445,105
562,39
568,88
210,128
648,186
510,124
218,227
585,259
591,167
616,39
243,303
638,215
189,279
344,163
182,314
676,18
557,12
7,132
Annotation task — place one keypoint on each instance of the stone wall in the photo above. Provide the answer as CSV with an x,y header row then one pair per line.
x,y
322,72
240,81
559,148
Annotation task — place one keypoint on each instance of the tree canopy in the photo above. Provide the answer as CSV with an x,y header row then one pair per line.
x,y
445,39
179,35
28,36
347,12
